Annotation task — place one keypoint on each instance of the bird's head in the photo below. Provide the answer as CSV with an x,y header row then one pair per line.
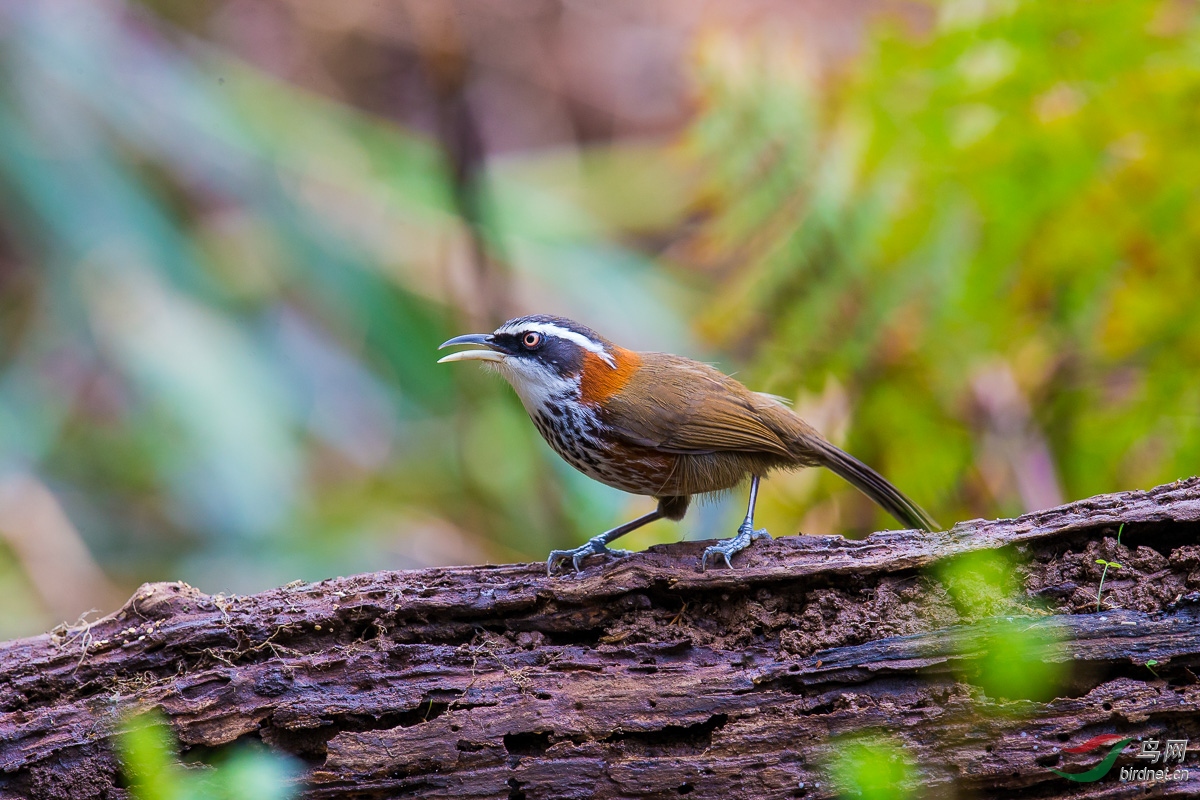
x,y
545,358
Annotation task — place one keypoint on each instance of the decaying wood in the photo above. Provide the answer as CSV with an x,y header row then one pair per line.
x,y
646,677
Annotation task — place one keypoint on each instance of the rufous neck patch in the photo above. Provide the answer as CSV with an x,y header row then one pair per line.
x,y
600,381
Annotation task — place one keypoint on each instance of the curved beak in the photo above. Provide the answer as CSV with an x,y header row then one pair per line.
x,y
483,340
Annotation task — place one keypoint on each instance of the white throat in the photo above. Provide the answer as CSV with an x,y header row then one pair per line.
x,y
537,387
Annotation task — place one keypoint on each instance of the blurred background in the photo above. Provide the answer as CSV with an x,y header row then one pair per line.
x,y
964,237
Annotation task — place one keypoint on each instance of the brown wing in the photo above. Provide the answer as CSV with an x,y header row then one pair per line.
x,y
678,405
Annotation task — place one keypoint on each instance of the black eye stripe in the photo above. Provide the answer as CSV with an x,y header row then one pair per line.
x,y
562,356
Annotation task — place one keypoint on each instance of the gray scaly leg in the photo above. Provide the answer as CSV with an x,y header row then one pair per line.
x,y
598,545
745,535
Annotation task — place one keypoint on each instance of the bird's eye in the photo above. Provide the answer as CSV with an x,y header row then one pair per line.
x,y
531,340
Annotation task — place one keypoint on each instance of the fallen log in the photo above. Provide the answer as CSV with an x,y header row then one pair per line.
x,y
646,678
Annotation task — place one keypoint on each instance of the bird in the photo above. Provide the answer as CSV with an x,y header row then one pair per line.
x,y
659,425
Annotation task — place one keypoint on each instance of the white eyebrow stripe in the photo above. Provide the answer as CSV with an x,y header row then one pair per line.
x,y
550,329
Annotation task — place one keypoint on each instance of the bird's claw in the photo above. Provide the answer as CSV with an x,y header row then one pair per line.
x,y
728,547
593,547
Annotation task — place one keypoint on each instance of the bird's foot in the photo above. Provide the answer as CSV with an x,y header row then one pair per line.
x,y
593,547
728,547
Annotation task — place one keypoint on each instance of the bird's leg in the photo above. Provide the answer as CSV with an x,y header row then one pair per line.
x,y
745,535
598,545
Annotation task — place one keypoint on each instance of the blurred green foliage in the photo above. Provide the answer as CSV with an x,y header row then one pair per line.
x,y
986,231
1010,652
148,759
871,767
1013,658
980,584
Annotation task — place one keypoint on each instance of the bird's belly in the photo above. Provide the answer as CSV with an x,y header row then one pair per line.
x,y
582,443
638,473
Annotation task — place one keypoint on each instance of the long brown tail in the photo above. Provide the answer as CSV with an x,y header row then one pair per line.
x,y
872,484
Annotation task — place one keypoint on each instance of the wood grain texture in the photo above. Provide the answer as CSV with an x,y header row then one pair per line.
x,y
645,677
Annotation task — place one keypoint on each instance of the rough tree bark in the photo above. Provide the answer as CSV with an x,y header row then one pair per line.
x,y
645,677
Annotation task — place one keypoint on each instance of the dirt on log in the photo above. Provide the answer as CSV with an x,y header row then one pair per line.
x,y
644,677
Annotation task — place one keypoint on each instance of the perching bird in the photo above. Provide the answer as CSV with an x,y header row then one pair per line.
x,y
660,425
